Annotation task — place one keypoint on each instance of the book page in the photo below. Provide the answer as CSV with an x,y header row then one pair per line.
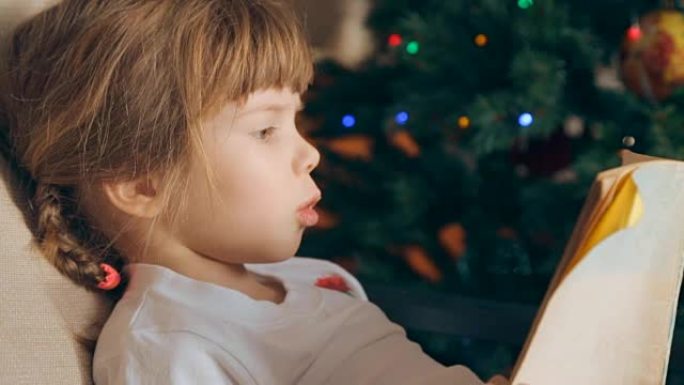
x,y
609,318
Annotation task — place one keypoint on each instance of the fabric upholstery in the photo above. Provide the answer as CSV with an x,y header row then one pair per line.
x,y
39,307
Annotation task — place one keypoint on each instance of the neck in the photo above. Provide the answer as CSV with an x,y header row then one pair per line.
x,y
167,251
231,275
205,269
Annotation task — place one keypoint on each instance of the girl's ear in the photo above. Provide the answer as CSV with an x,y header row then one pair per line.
x,y
139,197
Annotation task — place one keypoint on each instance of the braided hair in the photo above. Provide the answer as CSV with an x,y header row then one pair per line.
x,y
60,230
66,239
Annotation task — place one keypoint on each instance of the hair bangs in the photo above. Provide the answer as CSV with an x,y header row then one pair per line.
x,y
257,45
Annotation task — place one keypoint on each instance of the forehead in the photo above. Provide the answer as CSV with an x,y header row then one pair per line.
x,y
270,99
257,102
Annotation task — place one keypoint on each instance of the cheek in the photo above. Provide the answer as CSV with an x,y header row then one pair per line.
x,y
241,216
252,183
248,179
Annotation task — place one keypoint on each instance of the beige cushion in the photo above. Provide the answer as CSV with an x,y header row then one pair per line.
x,y
39,308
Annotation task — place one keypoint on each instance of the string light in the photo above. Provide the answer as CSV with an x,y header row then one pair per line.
x,y
463,122
634,33
348,121
402,118
413,47
525,119
394,40
481,40
525,4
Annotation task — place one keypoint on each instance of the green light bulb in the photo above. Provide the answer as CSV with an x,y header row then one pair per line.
x,y
413,47
524,4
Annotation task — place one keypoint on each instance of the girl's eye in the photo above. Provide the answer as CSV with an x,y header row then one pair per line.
x,y
265,133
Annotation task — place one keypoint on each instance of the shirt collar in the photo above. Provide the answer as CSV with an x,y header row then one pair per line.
x,y
219,301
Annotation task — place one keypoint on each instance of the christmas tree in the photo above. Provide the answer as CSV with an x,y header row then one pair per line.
x,y
458,156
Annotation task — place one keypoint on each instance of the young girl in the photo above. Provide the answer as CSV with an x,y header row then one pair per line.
x,y
169,173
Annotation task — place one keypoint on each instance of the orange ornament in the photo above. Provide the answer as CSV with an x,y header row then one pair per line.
x,y
453,238
352,146
405,142
421,263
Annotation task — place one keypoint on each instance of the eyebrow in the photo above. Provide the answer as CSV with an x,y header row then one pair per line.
x,y
272,107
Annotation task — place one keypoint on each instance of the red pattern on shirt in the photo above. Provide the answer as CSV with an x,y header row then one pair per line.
x,y
334,282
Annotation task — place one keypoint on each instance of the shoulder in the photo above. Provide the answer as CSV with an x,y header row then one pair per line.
x,y
151,340
317,272
158,323
171,357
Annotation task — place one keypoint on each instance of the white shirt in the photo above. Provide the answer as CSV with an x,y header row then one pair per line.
x,y
171,329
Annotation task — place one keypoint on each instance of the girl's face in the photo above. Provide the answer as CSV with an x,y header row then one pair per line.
x,y
262,166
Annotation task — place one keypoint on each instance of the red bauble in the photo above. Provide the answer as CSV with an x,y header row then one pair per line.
x,y
652,54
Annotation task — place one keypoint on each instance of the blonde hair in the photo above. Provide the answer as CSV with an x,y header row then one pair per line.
x,y
112,90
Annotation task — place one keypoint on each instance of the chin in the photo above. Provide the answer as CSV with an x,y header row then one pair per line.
x,y
284,253
275,258
285,258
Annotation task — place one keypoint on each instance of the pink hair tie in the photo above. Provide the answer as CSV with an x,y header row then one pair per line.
x,y
112,277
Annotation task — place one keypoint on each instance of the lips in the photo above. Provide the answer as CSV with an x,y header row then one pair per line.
x,y
306,214
310,203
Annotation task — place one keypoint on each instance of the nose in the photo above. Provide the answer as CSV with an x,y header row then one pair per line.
x,y
308,157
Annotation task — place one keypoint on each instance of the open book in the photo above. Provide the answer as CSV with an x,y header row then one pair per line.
x,y
608,315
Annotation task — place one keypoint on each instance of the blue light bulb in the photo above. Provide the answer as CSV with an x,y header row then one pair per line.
x,y
348,121
402,118
525,119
